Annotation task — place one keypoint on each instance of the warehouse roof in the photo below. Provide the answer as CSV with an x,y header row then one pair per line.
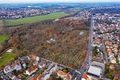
x,y
94,70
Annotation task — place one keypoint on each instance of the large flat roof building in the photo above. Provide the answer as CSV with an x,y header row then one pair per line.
x,y
95,71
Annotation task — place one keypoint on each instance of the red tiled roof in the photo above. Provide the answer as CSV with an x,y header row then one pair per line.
x,y
109,50
61,72
32,68
39,77
85,76
98,40
32,78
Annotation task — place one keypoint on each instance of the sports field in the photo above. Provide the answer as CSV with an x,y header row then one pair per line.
x,y
12,22
6,58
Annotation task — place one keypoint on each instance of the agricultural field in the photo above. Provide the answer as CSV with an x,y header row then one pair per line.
x,y
6,58
3,38
33,19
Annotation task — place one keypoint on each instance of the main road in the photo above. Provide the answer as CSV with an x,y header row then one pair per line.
x,y
87,61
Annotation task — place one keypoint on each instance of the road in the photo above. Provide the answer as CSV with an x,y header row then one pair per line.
x,y
87,61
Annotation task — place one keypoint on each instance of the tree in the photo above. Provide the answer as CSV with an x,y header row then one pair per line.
x,y
66,70
108,74
95,51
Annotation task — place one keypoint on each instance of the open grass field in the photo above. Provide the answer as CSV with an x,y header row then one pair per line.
x,y
33,19
3,38
6,58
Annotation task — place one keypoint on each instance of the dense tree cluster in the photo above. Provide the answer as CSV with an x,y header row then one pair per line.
x,y
73,23
55,42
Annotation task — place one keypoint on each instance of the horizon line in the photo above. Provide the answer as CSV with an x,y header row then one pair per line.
x,y
57,2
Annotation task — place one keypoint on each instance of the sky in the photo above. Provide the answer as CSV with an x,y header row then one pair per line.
x,y
38,1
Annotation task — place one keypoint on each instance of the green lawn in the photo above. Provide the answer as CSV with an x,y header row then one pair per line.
x,y
3,38
33,19
6,58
